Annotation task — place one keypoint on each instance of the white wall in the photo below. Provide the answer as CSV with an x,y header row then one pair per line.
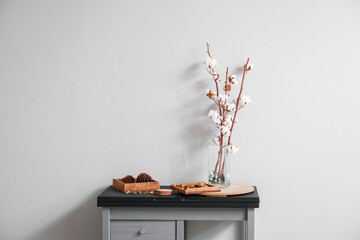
x,y
91,90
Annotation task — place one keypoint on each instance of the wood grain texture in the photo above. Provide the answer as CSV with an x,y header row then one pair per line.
x,y
189,190
135,187
164,192
147,230
234,189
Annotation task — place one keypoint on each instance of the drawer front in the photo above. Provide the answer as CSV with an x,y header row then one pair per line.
x,y
144,230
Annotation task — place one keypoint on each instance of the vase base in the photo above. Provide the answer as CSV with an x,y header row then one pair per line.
x,y
218,180
220,185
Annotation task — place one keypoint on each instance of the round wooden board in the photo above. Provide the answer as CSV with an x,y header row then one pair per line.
x,y
234,189
164,192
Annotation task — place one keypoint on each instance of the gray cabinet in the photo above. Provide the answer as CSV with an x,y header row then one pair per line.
x,y
145,230
152,217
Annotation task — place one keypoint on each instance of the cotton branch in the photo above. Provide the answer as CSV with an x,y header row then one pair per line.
x,y
208,49
238,99
223,122
212,72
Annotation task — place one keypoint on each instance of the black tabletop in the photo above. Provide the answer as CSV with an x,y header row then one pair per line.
x,y
114,198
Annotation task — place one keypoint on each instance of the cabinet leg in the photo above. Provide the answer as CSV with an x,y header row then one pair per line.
x,y
180,230
106,224
243,230
250,224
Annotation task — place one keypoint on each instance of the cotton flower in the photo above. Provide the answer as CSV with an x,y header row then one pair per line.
x,y
216,76
210,93
245,100
233,148
216,140
228,120
222,98
225,130
210,62
216,121
214,116
233,80
206,60
230,107
213,113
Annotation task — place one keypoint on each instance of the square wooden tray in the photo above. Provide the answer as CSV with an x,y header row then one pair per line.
x,y
135,187
181,187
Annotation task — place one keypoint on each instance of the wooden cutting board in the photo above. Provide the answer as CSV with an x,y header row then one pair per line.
x,y
234,189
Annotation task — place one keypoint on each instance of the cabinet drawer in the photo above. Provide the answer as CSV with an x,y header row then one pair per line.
x,y
144,230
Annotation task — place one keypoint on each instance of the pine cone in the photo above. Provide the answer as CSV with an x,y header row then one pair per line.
x,y
143,177
128,179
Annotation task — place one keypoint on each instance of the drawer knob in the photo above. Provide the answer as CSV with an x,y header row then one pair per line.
x,y
142,231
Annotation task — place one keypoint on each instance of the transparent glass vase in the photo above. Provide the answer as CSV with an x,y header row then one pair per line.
x,y
219,166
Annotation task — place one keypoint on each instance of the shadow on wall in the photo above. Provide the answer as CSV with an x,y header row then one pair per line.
x,y
83,223
195,131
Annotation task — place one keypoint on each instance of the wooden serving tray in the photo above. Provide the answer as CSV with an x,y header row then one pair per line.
x,y
185,188
135,187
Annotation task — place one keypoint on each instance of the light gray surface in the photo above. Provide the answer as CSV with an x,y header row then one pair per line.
x,y
106,224
169,223
250,224
178,214
148,230
180,230
242,233
91,90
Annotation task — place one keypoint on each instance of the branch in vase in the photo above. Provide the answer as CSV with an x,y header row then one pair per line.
x,y
224,120
208,49
246,68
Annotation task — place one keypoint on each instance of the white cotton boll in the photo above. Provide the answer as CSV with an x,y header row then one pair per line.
x,y
228,120
230,107
216,120
212,63
233,80
233,148
225,130
245,100
216,140
241,102
222,98
216,76
206,60
212,114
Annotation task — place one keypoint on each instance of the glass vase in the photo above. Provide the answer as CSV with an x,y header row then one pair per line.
x,y
219,166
